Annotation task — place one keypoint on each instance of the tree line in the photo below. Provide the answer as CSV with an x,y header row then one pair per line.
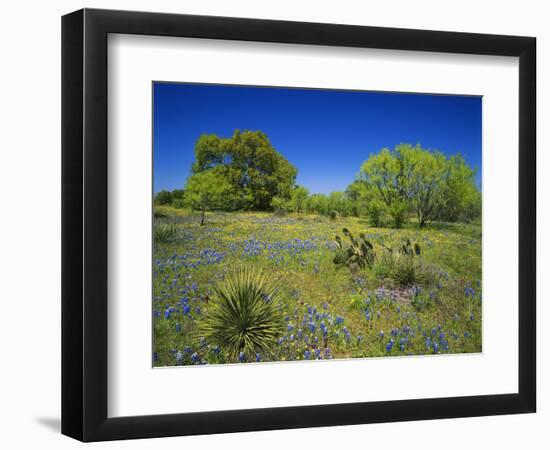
x,y
245,173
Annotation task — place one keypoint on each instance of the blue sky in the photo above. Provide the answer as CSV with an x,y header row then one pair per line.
x,y
326,134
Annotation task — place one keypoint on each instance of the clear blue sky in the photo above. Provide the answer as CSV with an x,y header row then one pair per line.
x,y
326,134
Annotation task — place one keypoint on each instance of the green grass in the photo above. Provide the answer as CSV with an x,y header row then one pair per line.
x,y
329,310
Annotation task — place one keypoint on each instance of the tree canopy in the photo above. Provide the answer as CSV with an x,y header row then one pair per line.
x,y
253,168
206,191
426,182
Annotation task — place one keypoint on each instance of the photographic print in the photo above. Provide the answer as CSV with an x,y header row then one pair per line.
x,y
300,224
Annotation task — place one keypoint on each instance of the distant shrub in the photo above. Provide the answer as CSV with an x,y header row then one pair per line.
x,y
178,203
159,213
163,198
243,316
279,205
334,215
375,213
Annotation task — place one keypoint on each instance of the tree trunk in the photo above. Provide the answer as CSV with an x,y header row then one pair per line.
x,y
202,217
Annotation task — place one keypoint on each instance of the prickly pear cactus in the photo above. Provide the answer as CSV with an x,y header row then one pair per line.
x,y
358,254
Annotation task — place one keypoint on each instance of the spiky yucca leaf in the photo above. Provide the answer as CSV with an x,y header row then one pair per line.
x,y
405,270
165,232
243,315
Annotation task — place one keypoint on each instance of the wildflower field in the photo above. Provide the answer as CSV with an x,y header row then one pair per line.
x,y
327,310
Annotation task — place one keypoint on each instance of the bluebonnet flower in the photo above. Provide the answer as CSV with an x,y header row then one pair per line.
x,y
318,353
466,334
155,356
428,343
389,346
242,357
469,291
339,320
472,316
347,334
307,354
436,347
394,332
312,327
179,356
216,350
402,344
367,315
382,334
258,357
186,310
178,328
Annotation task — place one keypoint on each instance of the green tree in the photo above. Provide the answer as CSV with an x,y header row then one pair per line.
x,y
177,198
382,171
250,164
177,194
460,199
411,178
163,198
206,191
421,178
317,203
299,198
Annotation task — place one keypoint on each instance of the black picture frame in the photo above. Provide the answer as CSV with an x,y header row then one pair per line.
x,y
84,224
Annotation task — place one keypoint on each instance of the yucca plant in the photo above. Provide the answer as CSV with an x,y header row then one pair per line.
x,y
243,316
165,232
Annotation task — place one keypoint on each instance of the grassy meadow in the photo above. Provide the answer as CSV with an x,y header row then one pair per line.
x,y
328,310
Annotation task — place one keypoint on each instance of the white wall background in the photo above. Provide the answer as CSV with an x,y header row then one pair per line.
x,y
30,226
